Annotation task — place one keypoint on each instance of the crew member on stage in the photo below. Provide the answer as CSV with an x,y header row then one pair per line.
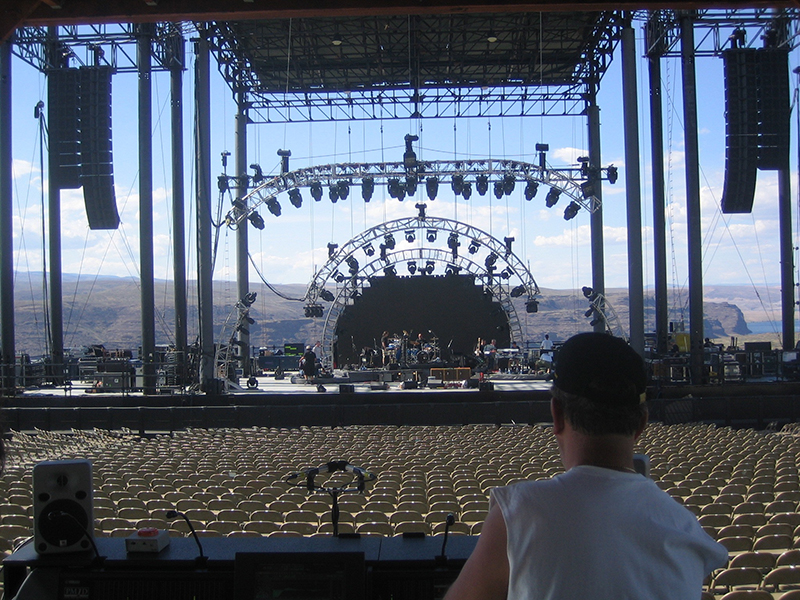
x,y
385,350
490,350
308,363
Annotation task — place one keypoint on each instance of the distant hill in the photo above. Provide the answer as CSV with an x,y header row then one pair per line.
x,y
106,310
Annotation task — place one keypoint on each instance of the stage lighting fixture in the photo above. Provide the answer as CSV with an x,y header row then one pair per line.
x,y
411,266
338,277
355,295
498,189
456,183
466,190
367,188
258,175
490,260
452,269
505,273
531,306
392,186
222,183
474,246
509,182
421,206
453,243
295,197
343,189
584,162
326,295
432,186
613,174
411,184
368,249
250,320
431,235
530,189
542,147
429,266
482,184
587,189
596,321
333,192
384,257
248,299
390,271
410,236
388,239
552,197
313,310
518,291
589,293
316,191
332,249
409,156
589,312
508,241
571,211
273,206
284,154
256,220
352,263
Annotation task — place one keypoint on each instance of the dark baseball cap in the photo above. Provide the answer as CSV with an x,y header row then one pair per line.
x,y
601,368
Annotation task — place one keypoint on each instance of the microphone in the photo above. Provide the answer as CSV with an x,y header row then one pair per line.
x,y
451,518
60,514
202,559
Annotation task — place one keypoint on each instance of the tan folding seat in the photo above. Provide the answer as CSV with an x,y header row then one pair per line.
x,y
302,516
261,527
375,528
780,576
737,543
788,558
773,542
299,527
223,527
763,561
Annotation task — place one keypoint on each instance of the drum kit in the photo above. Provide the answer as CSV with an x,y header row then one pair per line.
x,y
403,351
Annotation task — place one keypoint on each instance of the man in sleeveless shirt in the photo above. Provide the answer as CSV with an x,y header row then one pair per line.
x,y
600,530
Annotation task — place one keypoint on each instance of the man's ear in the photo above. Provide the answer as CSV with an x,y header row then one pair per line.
x,y
642,424
558,416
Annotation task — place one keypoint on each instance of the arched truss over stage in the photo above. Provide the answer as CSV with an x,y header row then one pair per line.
x,y
499,176
469,250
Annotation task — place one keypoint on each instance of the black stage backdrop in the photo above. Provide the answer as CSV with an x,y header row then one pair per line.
x,y
451,308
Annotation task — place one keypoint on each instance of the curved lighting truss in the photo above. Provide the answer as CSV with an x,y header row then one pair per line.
x,y
434,246
573,182
600,309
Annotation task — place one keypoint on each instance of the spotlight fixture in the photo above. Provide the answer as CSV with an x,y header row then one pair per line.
x,y
393,187
410,236
452,269
367,188
295,197
613,174
411,266
343,188
431,235
326,295
313,310
531,306
352,263
589,312
587,189
517,291
498,189
466,190
336,41
273,206
589,293
491,38
530,189
388,239
596,321
248,299
453,243
457,183
258,175
508,241
552,197
571,211
432,186
332,249
584,162
355,295
421,206
482,184
284,154
429,266
474,246
338,277
490,260
316,191
256,220
390,271
368,249
409,156
222,183
411,184
333,192
509,182
505,273
384,257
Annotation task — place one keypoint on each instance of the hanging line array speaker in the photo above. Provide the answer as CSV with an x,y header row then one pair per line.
x,y
97,171
63,117
756,121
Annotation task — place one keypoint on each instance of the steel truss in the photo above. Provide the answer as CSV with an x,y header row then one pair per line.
x,y
491,261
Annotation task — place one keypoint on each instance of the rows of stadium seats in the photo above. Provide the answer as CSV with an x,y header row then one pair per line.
x,y
743,485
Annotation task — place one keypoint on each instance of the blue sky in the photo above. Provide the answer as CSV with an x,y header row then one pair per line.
x,y
737,248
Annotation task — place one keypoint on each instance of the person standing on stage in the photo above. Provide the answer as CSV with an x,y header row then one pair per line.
x,y
308,363
490,350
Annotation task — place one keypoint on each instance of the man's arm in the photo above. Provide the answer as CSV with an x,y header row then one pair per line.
x,y
485,574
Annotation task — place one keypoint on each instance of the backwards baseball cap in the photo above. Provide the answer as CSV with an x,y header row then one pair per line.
x,y
601,368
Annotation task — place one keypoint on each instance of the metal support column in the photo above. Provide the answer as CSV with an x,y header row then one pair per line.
x,y
204,233
54,234
177,61
143,63
7,378
596,220
242,268
787,257
659,206
633,188
695,249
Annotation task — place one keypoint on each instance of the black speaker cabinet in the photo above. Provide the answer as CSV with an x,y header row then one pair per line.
x,y
62,506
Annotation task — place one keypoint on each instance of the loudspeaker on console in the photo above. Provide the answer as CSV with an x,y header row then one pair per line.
x,y
62,506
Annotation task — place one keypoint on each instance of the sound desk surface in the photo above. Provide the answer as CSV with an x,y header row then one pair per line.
x,y
394,568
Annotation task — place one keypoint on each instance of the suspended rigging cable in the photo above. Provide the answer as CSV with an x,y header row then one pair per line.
x,y
269,285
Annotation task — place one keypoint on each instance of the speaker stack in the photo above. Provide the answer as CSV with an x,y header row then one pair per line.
x,y
62,506
63,116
